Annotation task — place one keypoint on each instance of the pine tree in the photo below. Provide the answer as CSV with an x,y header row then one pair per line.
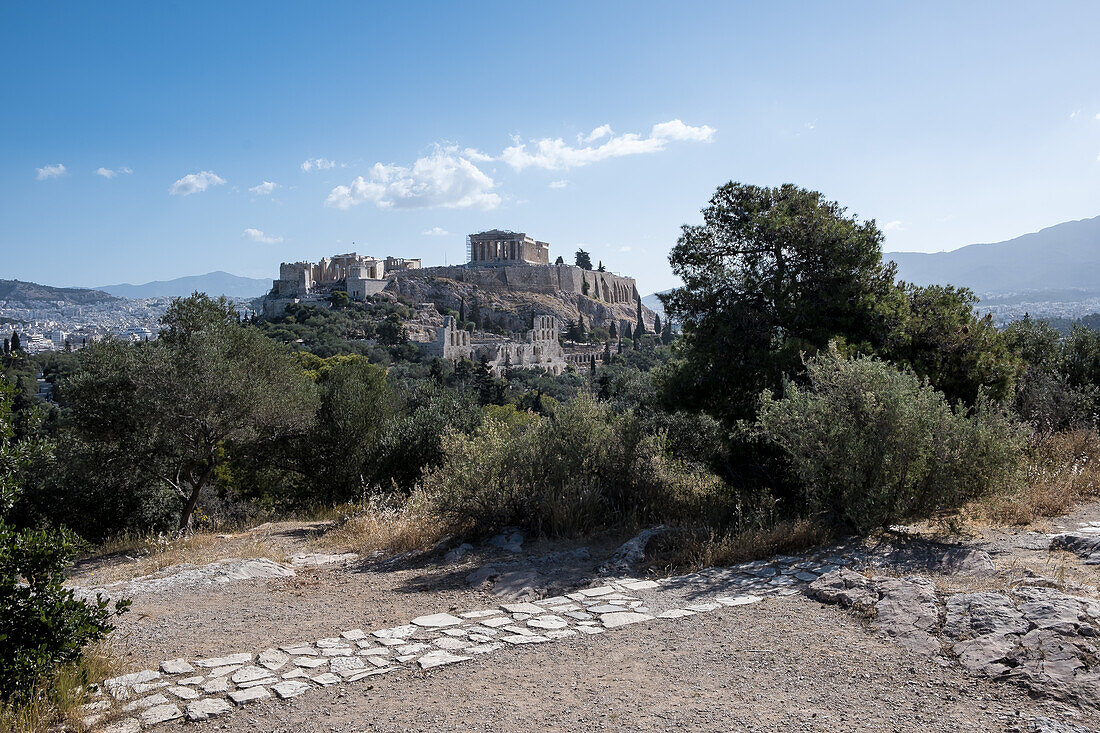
x,y
582,332
639,330
15,345
606,352
583,260
601,267
461,314
592,367
656,324
560,260
613,330
666,334
620,349
475,314
627,332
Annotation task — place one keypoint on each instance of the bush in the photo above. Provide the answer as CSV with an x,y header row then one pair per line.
x,y
42,626
874,446
579,469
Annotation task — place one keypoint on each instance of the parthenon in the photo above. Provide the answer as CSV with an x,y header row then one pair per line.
x,y
504,247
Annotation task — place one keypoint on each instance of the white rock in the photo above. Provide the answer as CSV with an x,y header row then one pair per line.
x,y
523,608
143,687
258,683
314,559
605,608
397,632
547,622
330,643
176,666
614,620
485,648
273,659
603,590
328,678
252,694
216,685
640,584
223,671
147,702
338,651
675,613
294,673
232,659
370,673
354,635
703,607
290,688
310,662
184,693
493,623
439,658
411,648
121,684
208,708
191,680
740,600
345,665
160,714
481,614
561,633
524,639
378,661
437,620
299,650
250,674
126,725
450,643
590,630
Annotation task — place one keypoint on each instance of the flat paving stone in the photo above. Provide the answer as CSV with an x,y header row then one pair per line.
x,y
326,679
176,666
485,648
450,643
675,613
547,622
354,635
523,608
438,658
299,650
338,651
216,685
252,694
603,590
481,614
524,639
212,662
290,688
437,620
147,702
493,623
190,680
184,693
160,714
273,659
310,662
640,584
250,674
614,620
223,671
606,608
397,632
208,708
738,600
347,665
703,607
295,673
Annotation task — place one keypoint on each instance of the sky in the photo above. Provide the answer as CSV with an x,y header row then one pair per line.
x,y
143,141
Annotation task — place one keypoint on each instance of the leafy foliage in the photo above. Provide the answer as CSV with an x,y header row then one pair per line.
x,y
873,445
42,625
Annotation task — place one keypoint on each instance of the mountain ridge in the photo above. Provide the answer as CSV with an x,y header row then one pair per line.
x,y
213,283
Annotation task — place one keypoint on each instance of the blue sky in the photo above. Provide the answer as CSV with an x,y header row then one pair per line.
x,y
602,125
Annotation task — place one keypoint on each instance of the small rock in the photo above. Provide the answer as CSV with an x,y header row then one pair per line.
x,y
252,694
160,714
290,688
208,708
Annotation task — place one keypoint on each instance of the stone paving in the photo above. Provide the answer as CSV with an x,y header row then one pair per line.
x,y
198,689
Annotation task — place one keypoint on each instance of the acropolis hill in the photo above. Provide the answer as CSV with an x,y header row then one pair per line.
x,y
507,274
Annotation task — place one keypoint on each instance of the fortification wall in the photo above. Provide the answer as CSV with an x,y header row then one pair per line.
x,y
548,279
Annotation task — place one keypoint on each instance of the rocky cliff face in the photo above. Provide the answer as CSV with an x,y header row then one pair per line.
x,y
512,309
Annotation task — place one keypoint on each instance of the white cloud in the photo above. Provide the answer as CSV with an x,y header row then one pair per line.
x,y
445,178
624,248
559,184
1098,115
257,235
195,183
109,173
892,226
318,164
600,132
435,232
555,154
50,171
264,189
1074,113
476,155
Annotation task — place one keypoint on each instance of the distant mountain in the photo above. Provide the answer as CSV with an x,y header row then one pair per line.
x,y
654,303
1064,257
18,291
212,283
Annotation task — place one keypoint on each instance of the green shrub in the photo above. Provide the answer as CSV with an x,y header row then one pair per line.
x,y
42,626
873,445
580,468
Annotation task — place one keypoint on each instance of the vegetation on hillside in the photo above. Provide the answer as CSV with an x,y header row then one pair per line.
x,y
808,394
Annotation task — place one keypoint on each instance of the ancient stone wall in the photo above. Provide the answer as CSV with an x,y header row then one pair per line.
x,y
549,279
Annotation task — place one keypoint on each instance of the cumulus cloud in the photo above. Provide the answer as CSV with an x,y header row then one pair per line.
x,y
435,232
559,184
257,235
50,171
318,164
446,178
476,155
892,226
195,183
264,189
556,154
109,173
600,132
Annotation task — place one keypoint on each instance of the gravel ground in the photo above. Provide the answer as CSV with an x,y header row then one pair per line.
x,y
787,664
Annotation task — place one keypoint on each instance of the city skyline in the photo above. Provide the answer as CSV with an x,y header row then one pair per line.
x,y
148,143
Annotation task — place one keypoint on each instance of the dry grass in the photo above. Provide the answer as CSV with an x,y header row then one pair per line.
x,y
131,556
690,551
1063,471
57,706
376,528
